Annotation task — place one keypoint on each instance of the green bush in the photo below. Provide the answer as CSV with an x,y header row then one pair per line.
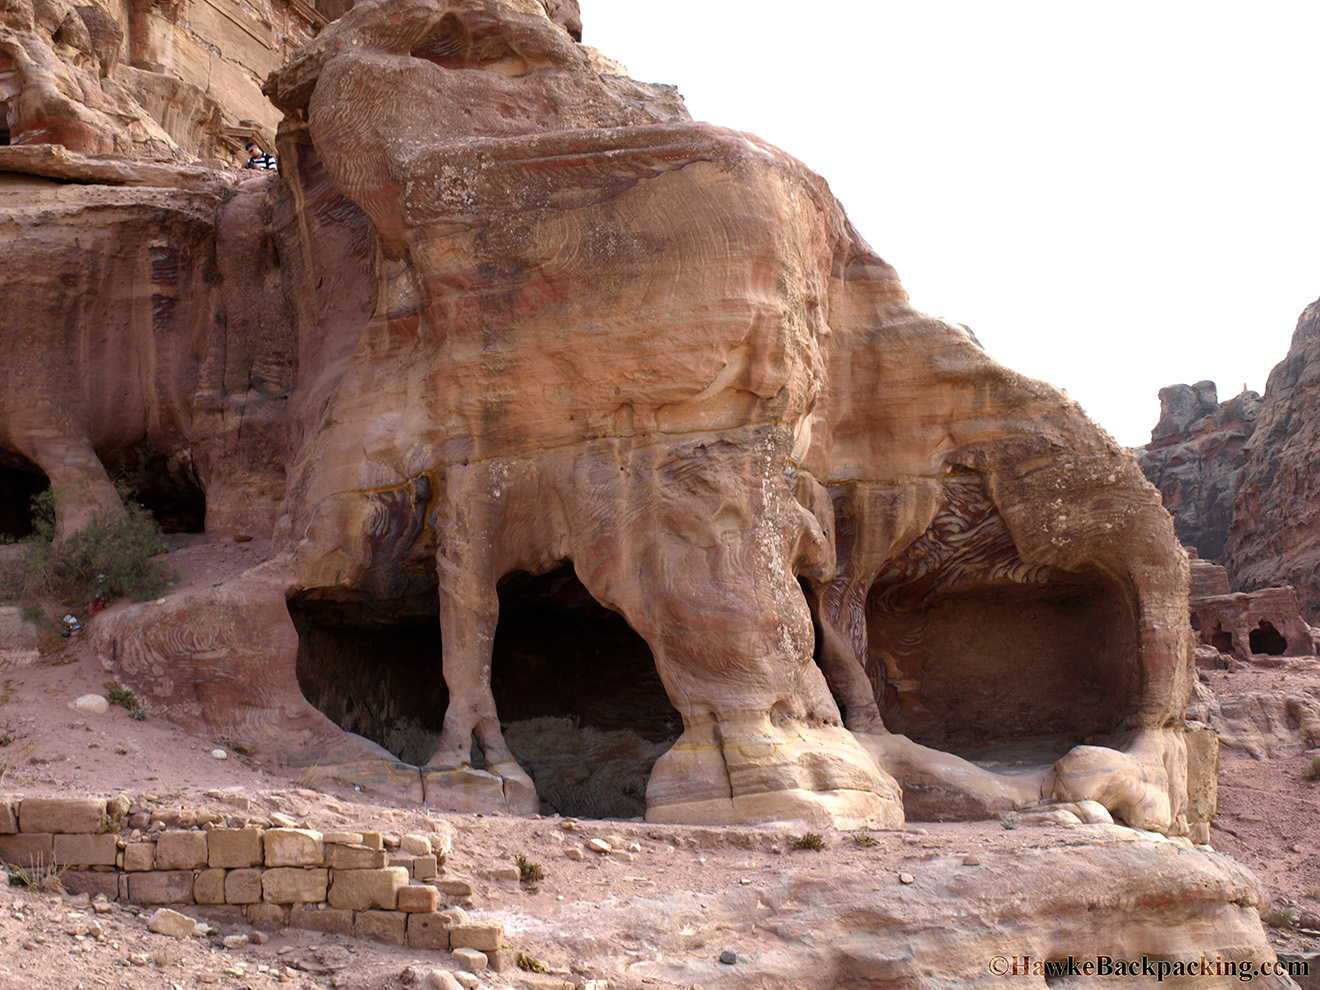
x,y
1313,771
109,558
530,873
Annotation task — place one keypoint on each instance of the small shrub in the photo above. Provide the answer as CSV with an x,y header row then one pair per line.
x,y
810,840
116,694
108,558
7,736
33,613
43,878
529,965
866,840
1313,771
1009,824
530,873
14,756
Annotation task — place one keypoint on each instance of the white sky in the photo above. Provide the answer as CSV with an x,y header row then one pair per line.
x,y
1114,197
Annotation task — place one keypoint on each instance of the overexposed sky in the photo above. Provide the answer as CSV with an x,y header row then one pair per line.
x,y
1114,197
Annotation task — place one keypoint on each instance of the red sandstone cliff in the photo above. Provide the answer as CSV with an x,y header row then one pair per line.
x,y
1275,535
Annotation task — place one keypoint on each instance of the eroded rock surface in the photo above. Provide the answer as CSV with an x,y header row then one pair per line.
x,y
1195,457
1277,512
508,316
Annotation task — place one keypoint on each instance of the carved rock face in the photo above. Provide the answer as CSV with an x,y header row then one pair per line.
x,y
658,351
553,336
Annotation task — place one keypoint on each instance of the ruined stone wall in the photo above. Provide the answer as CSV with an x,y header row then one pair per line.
x,y
347,883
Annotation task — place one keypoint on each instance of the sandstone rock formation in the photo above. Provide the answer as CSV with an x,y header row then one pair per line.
x,y
1277,511
1194,458
175,80
511,336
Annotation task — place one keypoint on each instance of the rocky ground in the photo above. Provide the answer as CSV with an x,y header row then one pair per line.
x,y
657,911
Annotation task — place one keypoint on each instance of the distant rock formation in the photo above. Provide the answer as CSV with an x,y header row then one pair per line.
x,y
1275,536
1194,457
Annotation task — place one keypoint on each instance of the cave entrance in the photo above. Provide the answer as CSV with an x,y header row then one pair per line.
x,y
163,484
17,486
1221,639
975,652
581,704
1268,640
372,674
1008,671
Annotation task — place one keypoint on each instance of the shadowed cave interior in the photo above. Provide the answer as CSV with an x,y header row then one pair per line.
x,y
17,486
580,703
1003,670
975,652
1265,638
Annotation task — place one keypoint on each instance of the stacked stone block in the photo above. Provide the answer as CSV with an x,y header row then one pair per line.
x,y
339,882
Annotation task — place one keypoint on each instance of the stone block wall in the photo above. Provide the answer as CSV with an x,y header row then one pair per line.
x,y
345,883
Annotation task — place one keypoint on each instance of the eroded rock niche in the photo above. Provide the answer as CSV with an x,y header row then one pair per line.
x,y
972,650
580,702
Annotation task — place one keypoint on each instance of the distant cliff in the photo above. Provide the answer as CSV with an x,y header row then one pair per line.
x,y
1275,533
1194,458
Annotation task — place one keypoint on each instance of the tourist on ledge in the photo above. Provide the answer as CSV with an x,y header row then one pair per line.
x,y
258,158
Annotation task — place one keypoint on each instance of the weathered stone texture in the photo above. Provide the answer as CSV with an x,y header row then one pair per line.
x,y
209,887
27,848
389,927
1195,456
232,848
140,856
483,935
428,931
181,851
319,918
1276,518
8,820
504,310
293,847
243,886
417,898
354,857
291,885
77,815
86,850
363,890
161,887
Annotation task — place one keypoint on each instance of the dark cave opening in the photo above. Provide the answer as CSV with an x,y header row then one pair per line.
x,y
17,486
380,681
581,705
1267,639
163,485
1000,666
1221,639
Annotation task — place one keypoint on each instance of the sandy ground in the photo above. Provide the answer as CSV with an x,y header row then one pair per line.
x,y
1269,820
